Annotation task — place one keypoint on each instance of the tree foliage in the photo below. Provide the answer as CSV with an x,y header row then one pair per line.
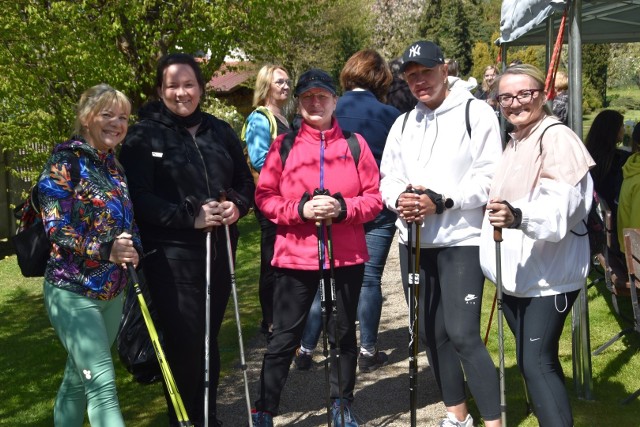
x,y
594,67
53,50
624,65
396,25
446,22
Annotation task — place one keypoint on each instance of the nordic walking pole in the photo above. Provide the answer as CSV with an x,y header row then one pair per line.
x,y
207,326
323,310
497,237
234,291
493,309
334,313
414,311
172,388
334,309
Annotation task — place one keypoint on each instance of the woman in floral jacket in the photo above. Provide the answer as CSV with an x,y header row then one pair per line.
x,y
88,216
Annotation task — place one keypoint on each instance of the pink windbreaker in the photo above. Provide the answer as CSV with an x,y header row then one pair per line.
x,y
280,190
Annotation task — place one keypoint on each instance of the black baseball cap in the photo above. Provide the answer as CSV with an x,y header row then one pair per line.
x,y
315,78
424,53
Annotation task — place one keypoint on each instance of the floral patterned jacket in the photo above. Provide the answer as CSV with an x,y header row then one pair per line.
x,y
83,218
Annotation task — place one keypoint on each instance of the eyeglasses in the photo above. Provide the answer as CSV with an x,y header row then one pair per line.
x,y
524,97
282,82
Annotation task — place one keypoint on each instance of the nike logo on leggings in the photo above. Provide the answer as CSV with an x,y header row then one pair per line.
x,y
534,339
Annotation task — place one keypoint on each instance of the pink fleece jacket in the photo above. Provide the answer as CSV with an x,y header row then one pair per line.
x,y
280,191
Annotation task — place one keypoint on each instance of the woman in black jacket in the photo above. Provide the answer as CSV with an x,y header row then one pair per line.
x,y
178,161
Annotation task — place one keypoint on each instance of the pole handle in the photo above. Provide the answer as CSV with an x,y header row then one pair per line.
x,y
497,234
223,196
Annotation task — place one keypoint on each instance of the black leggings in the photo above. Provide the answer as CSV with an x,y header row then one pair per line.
x,y
537,325
451,286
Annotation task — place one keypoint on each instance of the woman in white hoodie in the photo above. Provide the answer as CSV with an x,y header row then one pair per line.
x,y
540,195
448,157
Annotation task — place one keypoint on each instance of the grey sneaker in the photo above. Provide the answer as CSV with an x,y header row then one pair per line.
x,y
371,363
303,360
452,421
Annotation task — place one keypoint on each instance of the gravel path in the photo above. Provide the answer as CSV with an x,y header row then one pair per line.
x,y
381,397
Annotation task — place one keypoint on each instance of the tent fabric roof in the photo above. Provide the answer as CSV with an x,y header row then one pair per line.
x,y
522,22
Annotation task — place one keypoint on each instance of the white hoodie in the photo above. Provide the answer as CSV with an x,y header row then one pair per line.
x,y
435,151
553,188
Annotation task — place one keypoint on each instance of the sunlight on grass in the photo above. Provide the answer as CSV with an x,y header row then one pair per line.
x,y
32,359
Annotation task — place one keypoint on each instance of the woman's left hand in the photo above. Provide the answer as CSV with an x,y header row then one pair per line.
x,y
323,207
123,251
230,212
499,214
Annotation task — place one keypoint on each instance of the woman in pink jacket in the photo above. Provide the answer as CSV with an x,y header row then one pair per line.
x,y
319,184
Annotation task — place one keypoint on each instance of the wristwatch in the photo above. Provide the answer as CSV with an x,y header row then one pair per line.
x,y
448,203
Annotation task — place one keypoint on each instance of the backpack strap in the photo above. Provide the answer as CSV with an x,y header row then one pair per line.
x,y
289,138
354,146
466,116
404,121
545,131
287,145
273,126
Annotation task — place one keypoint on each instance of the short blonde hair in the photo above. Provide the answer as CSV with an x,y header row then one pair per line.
x,y
562,81
263,83
94,100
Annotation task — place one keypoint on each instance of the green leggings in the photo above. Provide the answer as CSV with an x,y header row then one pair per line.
x,y
87,329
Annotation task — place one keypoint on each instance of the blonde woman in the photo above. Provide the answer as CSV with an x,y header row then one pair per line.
x,y
88,216
540,195
267,121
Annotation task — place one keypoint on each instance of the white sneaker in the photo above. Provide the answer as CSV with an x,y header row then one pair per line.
x,y
452,421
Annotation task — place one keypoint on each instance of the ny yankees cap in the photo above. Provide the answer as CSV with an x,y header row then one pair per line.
x,y
315,78
424,53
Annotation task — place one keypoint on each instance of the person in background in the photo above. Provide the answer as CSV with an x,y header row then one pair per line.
x,y
453,76
88,217
319,183
365,80
629,207
606,131
539,197
262,126
490,73
179,161
399,94
560,104
449,170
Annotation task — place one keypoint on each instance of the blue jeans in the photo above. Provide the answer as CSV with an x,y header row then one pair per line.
x,y
379,235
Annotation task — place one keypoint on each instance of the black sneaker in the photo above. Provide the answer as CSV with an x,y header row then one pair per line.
x,y
303,360
371,363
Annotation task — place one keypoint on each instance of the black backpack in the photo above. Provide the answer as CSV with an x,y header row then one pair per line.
x,y
289,138
31,242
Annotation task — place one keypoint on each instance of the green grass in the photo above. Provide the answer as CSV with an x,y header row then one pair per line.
x,y
615,371
32,360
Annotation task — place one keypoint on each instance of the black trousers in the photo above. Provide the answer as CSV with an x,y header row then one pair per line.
x,y
451,287
294,293
267,278
178,290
